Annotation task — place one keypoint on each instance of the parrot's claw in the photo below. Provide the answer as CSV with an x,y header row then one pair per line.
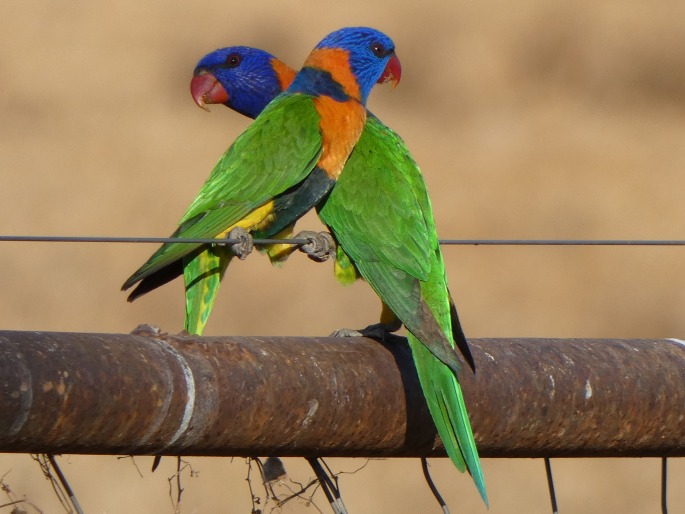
x,y
320,247
377,331
346,332
145,330
245,244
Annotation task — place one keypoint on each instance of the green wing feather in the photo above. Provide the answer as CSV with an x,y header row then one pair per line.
x,y
275,153
381,182
403,264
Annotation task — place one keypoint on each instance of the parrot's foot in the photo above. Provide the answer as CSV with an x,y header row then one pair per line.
x,y
320,247
378,331
145,330
244,246
347,332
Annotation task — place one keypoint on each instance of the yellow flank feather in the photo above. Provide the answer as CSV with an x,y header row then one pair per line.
x,y
278,253
387,316
344,269
258,219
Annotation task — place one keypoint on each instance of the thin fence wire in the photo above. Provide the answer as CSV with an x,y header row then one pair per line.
x,y
446,242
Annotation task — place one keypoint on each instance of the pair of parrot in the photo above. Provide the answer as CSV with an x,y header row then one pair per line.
x,y
314,145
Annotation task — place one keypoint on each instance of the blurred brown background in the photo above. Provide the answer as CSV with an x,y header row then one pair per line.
x,y
529,119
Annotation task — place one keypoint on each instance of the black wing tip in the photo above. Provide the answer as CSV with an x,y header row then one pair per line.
x,y
144,286
130,282
151,281
133,294
465,350
460,339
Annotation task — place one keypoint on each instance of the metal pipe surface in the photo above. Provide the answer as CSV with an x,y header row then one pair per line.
x,y
154,393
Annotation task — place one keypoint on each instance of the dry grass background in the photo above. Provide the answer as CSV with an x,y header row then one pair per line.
x,y
529,119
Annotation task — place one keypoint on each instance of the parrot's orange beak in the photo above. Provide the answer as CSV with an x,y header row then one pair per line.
x,y
392,72
206,89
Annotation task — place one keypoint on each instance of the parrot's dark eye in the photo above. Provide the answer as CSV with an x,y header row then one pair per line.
x,y
378,50
233,60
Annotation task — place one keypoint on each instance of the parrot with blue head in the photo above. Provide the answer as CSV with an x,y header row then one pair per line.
x,y
381,216
279,168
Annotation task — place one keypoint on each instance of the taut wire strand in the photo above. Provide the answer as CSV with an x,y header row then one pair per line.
x,y
446,242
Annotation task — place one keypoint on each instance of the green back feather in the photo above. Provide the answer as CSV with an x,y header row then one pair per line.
x,y
403,264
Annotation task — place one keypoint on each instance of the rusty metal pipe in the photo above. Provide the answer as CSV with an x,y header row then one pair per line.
x,y
154,393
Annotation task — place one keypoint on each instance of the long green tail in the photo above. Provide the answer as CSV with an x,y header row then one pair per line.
x,y
202,275
446,404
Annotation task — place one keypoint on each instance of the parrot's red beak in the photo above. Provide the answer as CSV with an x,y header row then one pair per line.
x,y
392,72
206,89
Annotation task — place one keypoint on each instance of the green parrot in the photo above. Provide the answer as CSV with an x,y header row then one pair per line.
x,y
380,215
278,169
